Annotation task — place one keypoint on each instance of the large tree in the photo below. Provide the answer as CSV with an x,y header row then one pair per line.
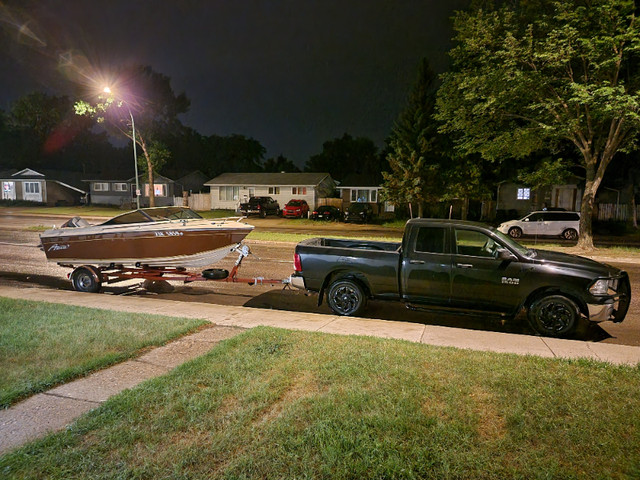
x,y
347,156
415,175
530,75
145,99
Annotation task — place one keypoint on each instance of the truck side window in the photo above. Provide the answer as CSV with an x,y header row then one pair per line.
x,y
430,240
473,243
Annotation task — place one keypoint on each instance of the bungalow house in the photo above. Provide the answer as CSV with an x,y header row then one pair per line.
x,y
230,189
32,186
516,200
357,188
121,192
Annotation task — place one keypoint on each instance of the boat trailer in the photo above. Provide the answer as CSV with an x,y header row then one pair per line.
x,y
89,278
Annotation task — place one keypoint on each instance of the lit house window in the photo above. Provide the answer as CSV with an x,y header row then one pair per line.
x,y
159,190
524,193
229,194
299,190
120,187
274,190
101,187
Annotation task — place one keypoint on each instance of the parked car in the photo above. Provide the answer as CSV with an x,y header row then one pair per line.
x,y
358,212
295,209
544,223
326,212
468,267
262,206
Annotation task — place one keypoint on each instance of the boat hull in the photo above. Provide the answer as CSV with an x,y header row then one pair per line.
x,y
159,245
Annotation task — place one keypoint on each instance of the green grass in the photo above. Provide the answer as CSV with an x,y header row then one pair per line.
x,y
274,403
44,344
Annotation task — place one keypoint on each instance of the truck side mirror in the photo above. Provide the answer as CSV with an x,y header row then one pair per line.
x,y
506,256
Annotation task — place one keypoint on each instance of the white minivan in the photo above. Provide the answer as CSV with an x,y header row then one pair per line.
x,y
547,223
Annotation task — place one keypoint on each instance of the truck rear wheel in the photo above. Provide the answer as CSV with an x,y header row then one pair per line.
x,y
554,316
346,297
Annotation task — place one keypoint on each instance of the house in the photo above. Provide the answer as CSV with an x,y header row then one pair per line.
x,y
192,183
230,189
357,188
40,187
121,192
516,200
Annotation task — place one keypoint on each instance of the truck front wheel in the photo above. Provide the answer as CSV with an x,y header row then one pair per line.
x,y
346,297
554,316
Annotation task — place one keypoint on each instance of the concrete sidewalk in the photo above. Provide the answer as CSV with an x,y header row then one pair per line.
x,y
53,410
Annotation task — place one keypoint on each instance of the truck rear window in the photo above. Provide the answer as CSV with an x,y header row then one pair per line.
x,y
430,240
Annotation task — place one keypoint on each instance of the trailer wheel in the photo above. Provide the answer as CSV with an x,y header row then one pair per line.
x,y
86,279
215,274
346,297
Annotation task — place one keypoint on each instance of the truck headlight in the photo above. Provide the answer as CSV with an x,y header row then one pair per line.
x,y
599,287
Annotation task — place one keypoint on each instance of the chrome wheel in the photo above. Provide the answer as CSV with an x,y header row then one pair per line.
x,y
86,279
346,297
570,234
515,232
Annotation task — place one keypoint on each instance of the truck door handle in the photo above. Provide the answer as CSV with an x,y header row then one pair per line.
x,y
416,262
464,265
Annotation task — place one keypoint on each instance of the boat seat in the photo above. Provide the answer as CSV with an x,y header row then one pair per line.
x,y
75,222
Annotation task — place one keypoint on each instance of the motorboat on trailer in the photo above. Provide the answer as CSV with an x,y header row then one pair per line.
x,y
148,237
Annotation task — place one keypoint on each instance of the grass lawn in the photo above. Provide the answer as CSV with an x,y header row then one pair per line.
x,y
43,344
273,403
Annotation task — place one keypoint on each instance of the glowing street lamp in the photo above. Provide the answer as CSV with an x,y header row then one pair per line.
x,y
107,90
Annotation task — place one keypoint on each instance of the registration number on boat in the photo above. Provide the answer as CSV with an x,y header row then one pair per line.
x,y
169,233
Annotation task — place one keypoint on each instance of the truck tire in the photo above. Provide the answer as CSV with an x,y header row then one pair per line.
x,y
554,316
515,232
86,279
346,297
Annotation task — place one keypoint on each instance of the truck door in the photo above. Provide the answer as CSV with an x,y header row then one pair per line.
x,y
481,281
426,267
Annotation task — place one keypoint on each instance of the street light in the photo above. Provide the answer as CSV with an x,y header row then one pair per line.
x,y
135,155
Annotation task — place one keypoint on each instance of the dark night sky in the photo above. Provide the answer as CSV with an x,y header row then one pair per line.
x,y
290,73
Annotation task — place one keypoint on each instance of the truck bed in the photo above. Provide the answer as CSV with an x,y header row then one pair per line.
x,y
375,263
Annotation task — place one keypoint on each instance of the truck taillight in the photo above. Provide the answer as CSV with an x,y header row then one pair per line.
x,y
297,264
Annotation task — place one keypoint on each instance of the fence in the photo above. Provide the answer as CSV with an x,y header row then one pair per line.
x,y
196,201
616,212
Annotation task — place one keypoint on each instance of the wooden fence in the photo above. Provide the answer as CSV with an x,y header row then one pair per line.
x,y
196,201
615,212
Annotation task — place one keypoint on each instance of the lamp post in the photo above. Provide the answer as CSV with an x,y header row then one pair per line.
x,y
135,154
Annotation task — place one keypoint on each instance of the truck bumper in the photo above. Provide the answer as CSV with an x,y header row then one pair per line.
x,y
602,313
297,281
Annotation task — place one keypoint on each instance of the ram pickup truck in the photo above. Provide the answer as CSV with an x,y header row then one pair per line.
x,y
262,206
458,266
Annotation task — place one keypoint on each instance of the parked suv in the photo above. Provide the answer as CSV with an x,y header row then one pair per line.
x,y
545,223
358,212
295,209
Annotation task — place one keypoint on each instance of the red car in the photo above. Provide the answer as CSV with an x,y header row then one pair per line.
x,y
295,209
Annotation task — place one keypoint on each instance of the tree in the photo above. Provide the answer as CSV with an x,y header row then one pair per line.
x,y
150,104
415,163
532,75
347,155
280,164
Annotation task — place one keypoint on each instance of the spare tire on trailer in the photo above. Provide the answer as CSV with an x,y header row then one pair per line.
x,y
215,273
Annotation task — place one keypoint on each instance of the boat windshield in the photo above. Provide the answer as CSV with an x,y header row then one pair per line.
x,y
156,214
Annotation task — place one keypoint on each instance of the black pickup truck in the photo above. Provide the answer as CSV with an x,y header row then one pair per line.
x,y
262,206
457,266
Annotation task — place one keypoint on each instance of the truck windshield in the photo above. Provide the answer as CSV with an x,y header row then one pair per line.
x,y
511,243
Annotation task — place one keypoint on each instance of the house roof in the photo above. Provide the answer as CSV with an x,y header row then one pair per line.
x,y
67,179
286,179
